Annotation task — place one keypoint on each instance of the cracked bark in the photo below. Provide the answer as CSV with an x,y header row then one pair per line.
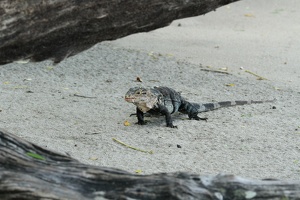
x,y
52,29
28,171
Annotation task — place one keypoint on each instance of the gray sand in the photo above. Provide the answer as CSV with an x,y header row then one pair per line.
x,y
255,141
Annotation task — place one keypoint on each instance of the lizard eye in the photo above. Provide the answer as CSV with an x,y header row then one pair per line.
x,y
140,92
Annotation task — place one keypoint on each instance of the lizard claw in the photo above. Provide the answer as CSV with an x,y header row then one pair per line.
x,y
200,118
205,118
171,126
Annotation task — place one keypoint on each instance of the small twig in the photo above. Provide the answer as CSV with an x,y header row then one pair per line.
x,y
77,95
131,147
258,76
214,70
95,133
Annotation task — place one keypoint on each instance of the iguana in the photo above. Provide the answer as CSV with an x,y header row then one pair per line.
x,y
166,101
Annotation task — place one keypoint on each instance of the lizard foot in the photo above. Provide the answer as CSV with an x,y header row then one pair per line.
x,y
141,123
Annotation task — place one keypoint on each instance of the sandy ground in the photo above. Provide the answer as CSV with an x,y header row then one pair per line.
x,y
39,102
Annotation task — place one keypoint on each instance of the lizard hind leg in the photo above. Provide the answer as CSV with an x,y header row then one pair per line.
x,y
192,110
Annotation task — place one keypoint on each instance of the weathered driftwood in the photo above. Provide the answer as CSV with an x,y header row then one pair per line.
x,y
28,171
56,29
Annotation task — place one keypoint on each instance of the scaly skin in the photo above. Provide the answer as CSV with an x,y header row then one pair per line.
x,y
166,101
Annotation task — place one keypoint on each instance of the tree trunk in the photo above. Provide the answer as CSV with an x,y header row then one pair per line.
x,y
28,171
52,29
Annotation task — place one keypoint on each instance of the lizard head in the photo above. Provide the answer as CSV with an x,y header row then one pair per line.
x,y
136,94
143,98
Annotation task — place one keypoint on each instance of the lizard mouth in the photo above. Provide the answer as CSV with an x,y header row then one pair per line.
x,y
129,99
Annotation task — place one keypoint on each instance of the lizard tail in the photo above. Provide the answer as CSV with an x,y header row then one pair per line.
x,y
222,104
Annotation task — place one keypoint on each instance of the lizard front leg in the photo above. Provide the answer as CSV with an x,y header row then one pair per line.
x,y
140,116
163,110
